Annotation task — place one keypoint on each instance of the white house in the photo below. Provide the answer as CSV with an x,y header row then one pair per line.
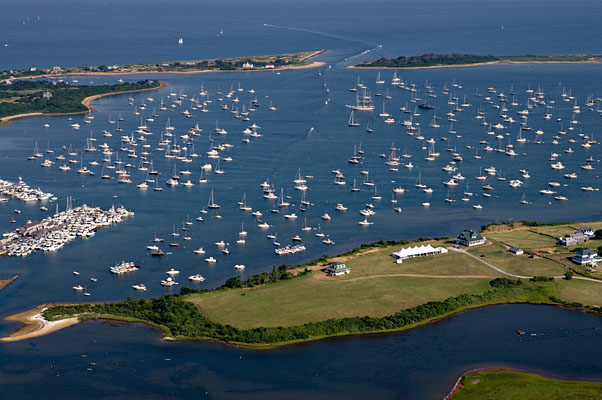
x,y
586,257
417,251
336,269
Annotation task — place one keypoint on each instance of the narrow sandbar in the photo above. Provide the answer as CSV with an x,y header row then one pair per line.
x,y
34,324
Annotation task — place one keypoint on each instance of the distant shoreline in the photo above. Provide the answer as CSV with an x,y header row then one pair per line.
x,y
86,102
480,64
313,64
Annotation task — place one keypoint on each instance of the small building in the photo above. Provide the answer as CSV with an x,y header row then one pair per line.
x,y
515,251
336,269
269,66
573,239
417,251
47,94
470,238
586,257
248,65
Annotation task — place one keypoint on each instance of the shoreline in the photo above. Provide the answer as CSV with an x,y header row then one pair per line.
x,y
475,371
35,325
5,282
480,64
34,317
86,102
313,64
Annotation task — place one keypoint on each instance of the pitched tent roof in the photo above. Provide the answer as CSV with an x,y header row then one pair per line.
x,y
417,250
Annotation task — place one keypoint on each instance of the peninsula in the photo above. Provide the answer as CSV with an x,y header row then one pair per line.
x,y
23,98
301,303
431,60
233,64
508,383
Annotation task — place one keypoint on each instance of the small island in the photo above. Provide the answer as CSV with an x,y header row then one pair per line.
x,y
432,60
372,289
233,64
22,98
507,383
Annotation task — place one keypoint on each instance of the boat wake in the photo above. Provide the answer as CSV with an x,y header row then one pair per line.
x,y
290,28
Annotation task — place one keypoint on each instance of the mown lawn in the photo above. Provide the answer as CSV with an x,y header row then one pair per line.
x,y
498,255
316,298
523,239
381,262
514,385
584,292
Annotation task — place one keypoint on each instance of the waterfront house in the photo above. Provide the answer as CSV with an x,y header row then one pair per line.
x,y
417,251
573,239
247,65
470,238
586,257
515,251
587,231
336,269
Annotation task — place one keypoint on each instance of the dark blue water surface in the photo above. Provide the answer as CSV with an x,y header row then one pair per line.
x,y
101,360
308,131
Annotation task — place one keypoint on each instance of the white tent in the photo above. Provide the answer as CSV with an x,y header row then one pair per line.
x,y
417,251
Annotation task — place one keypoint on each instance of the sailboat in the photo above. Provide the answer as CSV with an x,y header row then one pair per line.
x,y
419,183
211,203
352,122
523,200
243,203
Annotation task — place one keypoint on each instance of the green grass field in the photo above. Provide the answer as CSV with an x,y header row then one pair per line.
x,y
514,385
381,262
376,285
316,297
498,255
523,239
585,292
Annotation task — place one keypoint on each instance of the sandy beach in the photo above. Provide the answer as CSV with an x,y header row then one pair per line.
x,y
5,282
34,324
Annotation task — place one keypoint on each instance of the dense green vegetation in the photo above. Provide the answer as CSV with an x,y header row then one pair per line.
x,y
177,317
506,384
27,96
431,59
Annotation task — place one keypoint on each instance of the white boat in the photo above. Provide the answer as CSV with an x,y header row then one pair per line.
x,y
139,286
168,282
172,272
326,217
196,278
211,260
123,267
239,266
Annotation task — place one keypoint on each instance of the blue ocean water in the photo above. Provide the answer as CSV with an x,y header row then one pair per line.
x,y
308,131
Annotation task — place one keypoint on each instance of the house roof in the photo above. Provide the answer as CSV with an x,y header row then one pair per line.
x,y
470,235
586,252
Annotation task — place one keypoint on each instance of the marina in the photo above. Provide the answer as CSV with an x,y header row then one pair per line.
x,y
52,233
